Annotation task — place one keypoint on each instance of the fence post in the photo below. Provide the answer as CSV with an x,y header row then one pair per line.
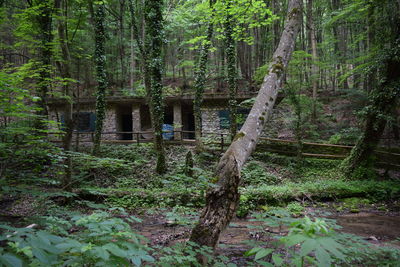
x,y
137,138
222,143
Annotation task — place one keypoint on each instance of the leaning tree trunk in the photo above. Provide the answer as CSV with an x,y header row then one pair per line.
x,y
222,200
99,55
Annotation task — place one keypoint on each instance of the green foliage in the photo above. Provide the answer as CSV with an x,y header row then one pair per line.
x,y
323,189
295,208
314,237
315,242
352,204
182,216
199,181
100,171
245,14
99,239
254,173
183,255
137,154
260,73
345,136
23,154
156,197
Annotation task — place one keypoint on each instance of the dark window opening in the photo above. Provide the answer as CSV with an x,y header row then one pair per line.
x,y
188,121
145,120
84,121
169,115
124,122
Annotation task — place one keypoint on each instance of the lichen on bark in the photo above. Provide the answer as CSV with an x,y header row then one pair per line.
x,y
222,200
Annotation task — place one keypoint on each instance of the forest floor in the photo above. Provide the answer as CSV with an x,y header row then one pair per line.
x,y
276,191
376,227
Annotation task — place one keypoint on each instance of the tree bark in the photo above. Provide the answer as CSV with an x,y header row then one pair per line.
x,y
383,101
44,21
154,28
383,98
314,67
100,75
230,49
64,66
222,200
199,85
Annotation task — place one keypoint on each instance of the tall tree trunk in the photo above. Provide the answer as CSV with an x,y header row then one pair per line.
x,y
133,65
121,43
199,83
64,66
314,67
230,49
44,20
100,58
383,98
222,200
381,107
154,28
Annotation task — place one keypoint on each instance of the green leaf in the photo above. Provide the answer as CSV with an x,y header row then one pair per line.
x,y
69,244
323,257
252,251
101,253
333,247
10,260
115,250
137,261
277,259
308,246
294,239
43,243
262,253
47,236
265,263
42,256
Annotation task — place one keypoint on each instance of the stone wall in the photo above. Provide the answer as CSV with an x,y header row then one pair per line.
x,y
211,123
110,124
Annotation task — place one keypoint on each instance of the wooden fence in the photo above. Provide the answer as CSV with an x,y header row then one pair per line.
x,y
386,156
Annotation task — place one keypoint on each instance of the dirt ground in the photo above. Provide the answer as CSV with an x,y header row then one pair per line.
x,y
376,227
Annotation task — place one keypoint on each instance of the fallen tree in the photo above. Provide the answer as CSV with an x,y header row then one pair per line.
x,y
222,200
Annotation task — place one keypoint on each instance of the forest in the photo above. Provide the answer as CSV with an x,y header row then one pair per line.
x,y
199,133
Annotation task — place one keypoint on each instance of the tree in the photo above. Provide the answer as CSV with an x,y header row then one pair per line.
x,y
154,31
382,98
64,66
222,200
101,77
199,83
314,69
43,19
230,49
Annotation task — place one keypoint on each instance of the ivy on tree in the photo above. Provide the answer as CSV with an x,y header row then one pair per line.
x,y
101,77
